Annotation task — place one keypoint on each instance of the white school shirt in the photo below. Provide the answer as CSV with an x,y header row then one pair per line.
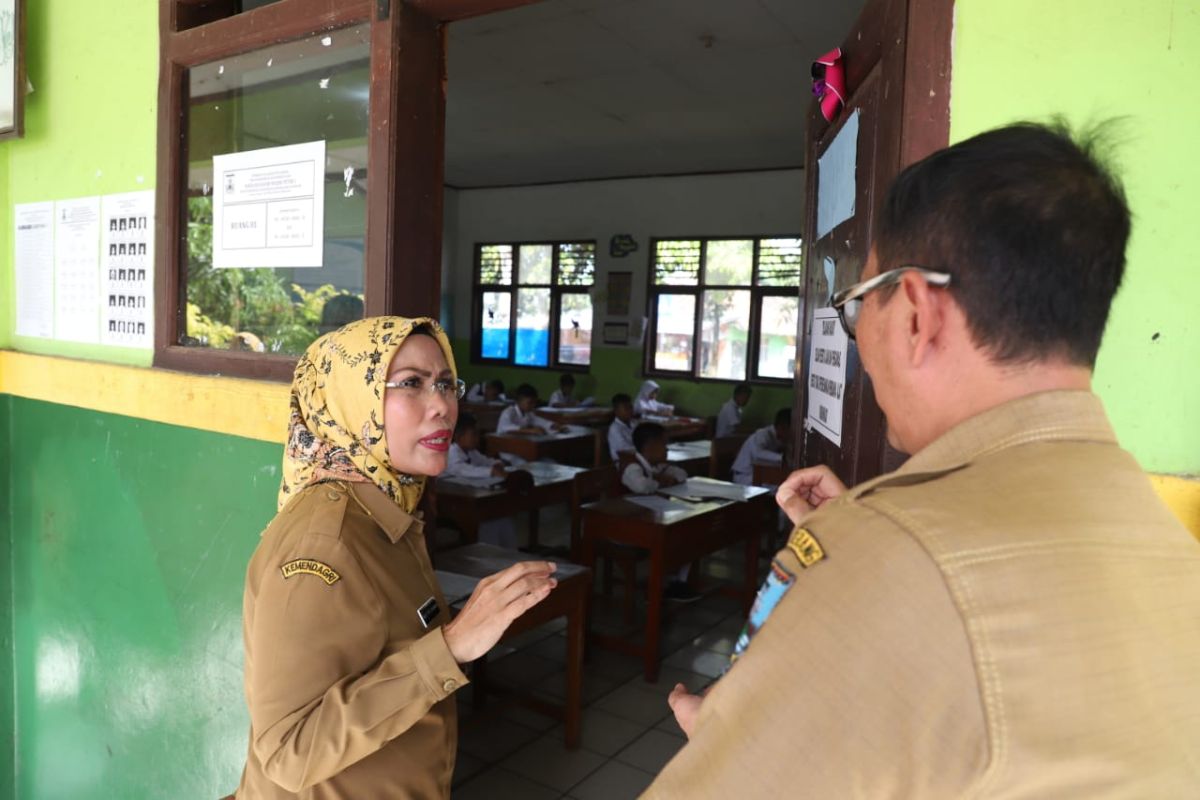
x,y
468,464
475,395
642,404
620,437
560,399
511,419
641,478
762,446
729,418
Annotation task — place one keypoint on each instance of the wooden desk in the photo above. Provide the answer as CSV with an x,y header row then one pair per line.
x,y
675,536
682,428
468,505
458,572
769,474
487,415
591,417
576,446
693,457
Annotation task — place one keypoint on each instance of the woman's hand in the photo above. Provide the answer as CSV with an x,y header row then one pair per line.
x,y
496,602
807,489
686,707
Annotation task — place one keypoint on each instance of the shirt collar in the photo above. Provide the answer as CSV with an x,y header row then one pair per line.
x,y
393,519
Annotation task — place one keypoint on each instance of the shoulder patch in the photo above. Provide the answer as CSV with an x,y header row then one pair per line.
x,y
805,547
311,567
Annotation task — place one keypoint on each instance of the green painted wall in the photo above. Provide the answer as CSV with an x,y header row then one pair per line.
x,y
90,126
8,738
1024,59
130,549
619,369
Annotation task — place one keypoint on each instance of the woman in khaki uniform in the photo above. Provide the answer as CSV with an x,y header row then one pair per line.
x,y
351,657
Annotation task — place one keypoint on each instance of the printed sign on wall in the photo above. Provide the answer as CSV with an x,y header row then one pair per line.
x,y
827,375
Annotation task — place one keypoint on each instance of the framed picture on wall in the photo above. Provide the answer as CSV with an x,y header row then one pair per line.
x,y
12,68
620,284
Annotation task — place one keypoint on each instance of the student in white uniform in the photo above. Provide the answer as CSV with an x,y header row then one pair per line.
x,y
648,473
765,446
729,420
490,392
520,418
620,432
647,402
465,461
564,395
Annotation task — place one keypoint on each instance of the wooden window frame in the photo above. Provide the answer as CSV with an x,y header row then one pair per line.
x,y
478,289
757,293
405,150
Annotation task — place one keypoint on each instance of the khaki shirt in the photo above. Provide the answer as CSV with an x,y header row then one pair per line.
x,y
349,693
1011,614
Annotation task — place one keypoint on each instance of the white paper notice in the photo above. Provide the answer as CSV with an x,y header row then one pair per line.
x,y
127,271
269,207
77,270
827,375
835,178
33,241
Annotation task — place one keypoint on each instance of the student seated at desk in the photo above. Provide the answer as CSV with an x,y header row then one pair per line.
x,y
729,420
520,418
765,445
465,461
564,395
490,392
646,475
647,402
620,432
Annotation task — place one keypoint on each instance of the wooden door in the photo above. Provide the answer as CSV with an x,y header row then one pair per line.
x,y
897,79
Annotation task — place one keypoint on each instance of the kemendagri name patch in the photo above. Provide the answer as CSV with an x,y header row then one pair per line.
x,y
311,567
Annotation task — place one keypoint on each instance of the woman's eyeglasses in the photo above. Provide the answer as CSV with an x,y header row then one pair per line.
x,y
443,387
849,301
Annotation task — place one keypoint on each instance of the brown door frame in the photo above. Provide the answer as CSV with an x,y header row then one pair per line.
x,y
905,44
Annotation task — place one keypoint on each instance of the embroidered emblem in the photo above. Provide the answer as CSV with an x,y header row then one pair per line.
x,y
428,612
307,565
806,547
778,581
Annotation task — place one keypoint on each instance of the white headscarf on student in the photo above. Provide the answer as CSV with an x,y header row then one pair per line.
x,y
648,388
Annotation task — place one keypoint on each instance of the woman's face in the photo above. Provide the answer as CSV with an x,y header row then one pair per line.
x,y
419,423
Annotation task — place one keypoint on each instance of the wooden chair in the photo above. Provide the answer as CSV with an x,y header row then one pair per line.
x,y
596,484
724,452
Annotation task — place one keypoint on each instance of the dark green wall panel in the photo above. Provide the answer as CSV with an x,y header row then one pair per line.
x,y
129,542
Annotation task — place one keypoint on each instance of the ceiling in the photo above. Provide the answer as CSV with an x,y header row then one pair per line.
x,y
567,90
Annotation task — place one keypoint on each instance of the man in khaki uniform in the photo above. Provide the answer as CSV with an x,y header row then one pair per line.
x,y
1013,613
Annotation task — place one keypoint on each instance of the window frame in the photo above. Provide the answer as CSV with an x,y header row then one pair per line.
x,y
757,295
478,289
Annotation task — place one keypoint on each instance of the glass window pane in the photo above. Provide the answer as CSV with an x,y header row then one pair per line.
x,y
533,327
301,91
724,334
496,264
729,262
576,263
535,263
495,323
777,337
677,263
675,318
575,329
780,262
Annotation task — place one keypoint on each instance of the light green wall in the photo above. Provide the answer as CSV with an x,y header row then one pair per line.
x,y
1025,59
90,126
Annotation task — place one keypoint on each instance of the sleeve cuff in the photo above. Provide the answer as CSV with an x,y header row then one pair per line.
x,y
436,666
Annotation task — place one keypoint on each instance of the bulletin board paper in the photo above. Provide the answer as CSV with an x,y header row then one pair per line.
x,y
77,270
33,241
836,178
127,269
827,375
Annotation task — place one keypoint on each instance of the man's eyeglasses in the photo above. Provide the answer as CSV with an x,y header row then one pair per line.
x,y
444,387
849,301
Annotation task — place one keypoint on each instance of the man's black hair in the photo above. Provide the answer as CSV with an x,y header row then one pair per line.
x,y
1031,225
525,390
741,388
567,379
620,398
647,433
784,417
466,422
497,384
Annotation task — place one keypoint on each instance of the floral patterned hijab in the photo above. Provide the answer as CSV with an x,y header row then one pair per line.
x,y
336,427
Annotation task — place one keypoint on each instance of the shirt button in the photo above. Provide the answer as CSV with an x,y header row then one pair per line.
x,y
333,494
450,685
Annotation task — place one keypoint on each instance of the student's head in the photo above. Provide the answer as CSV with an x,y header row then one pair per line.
x,y
493,389
466,432
566,384
741,394
650,439
527,398
1031,229
783,424
649,390
622,406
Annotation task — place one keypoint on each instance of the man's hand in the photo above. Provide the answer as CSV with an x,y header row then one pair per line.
x,y
668,480
496,602
807,489
686,707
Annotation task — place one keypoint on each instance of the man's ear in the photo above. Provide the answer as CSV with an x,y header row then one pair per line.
x,y
926,310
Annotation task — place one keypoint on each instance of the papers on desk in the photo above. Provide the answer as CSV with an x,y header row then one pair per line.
x,y
486,482
655,503
706,489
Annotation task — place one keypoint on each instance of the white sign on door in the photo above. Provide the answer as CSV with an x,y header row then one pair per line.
x,y
827,375
269,207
